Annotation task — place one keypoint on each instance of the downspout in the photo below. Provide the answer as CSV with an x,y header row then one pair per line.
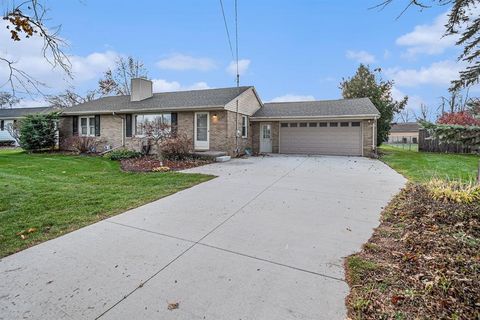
x,y
374,136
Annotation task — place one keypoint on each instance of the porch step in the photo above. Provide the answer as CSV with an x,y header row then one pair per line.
x,y
222,159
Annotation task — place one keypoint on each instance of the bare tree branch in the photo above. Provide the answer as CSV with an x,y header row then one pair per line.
x,y
24,21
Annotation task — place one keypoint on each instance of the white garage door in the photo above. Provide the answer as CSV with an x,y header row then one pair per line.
x,y
329,138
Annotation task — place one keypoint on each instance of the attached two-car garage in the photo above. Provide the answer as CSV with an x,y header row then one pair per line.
x,y
328,138
345,127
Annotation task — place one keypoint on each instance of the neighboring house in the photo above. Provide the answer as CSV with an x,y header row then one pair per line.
x,y
404,132
222,119
9,116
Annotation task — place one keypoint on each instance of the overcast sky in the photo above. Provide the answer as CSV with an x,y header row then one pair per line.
x,y
289,50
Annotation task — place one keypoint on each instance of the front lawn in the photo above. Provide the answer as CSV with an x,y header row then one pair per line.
x,y
43,196
423,166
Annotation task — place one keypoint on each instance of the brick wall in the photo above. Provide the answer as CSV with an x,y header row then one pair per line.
x,y
110,132
275,135
369,138
222,131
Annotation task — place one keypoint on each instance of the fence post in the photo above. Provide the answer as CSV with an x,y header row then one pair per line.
x,y
478,173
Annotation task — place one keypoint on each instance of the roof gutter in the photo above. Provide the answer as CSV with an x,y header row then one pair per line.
x,y
74,113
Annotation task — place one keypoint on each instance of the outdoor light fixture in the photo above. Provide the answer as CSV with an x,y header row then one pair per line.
x,y
214,118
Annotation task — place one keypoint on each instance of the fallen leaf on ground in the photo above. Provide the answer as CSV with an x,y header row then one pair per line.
x,y
173,305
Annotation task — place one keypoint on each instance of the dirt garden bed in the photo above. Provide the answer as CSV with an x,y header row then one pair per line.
x,y
148,164
422,262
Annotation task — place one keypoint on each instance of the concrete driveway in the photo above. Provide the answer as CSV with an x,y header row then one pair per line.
x,y
264,240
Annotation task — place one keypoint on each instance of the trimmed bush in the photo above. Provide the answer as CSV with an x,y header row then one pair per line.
x,y
177,148
121,154
83,144
39,131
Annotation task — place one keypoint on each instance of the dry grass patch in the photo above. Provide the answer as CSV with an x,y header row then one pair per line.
x,y
423,261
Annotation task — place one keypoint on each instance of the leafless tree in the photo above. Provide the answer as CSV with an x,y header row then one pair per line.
x,y
8,100
117,81
69,98
423,114
456,102
14,131
156,132
462,20
25,20
405,115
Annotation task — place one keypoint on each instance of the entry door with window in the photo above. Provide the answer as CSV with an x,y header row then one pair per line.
x,y
202,128
266,138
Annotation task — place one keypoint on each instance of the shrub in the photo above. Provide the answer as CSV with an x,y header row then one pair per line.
x,y
38,131
176,148
83,144
454,191
462,118
120,154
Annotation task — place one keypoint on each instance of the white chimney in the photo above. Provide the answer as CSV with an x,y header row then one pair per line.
x,y
141,89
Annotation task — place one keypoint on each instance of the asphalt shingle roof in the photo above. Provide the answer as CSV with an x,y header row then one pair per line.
x,y
405,127
324,108
20,112
161,101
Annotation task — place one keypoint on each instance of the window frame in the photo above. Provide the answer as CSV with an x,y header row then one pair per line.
x,y
135,118
88,126
244,126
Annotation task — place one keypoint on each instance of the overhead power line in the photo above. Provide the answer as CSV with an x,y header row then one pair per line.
x,y
226,29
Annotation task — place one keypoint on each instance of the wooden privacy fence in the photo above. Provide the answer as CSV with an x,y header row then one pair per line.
x,y
428,144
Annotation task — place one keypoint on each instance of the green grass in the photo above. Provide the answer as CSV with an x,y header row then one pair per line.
x,y
55,194
423,166
358,268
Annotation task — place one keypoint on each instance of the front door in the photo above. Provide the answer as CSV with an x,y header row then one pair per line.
x,y
265,138
202,129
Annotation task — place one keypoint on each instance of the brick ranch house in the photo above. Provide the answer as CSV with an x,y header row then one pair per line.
x,y
209,117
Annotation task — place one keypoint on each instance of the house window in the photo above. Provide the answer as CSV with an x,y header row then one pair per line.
x,y
414,140
244,126
143,121
284,125
322,124
312,124
355,124
2,125
343,124
333,124
87,126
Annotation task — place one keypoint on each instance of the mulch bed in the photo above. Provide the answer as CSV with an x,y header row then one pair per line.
x,y
422,262
147,164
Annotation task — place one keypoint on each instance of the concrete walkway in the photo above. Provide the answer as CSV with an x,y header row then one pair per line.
x,y
264,240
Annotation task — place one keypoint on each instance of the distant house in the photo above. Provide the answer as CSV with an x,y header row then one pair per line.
x,y
404,132
10,116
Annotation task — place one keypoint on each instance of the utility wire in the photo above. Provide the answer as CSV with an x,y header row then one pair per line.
x,y
236,40
226,29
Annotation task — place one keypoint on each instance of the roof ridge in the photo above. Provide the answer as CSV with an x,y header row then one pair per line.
x,y
191,90
328,100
